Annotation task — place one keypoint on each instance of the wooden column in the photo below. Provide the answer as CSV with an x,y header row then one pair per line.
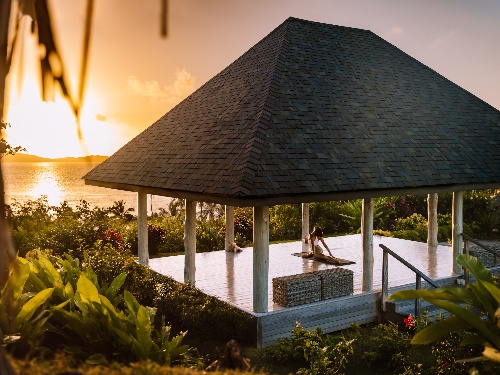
x,y
457,228
367,238
229,227
260,258
142,228
432,223
190,242
305,225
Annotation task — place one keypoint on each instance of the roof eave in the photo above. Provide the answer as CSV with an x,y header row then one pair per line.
x,y
293,198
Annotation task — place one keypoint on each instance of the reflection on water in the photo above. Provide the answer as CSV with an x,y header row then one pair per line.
x,y
63,182
47,184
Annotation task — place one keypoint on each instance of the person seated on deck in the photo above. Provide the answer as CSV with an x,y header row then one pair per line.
x,y
316,250
235,248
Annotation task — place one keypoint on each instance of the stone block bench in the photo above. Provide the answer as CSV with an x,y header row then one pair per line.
x,y
312,286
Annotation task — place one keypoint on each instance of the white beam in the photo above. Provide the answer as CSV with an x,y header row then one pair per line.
x,y
457,228
142,228
367,238
305,225
190,242
432,222
229,227
260,258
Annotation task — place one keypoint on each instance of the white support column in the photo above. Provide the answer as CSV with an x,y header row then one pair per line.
x,y
260,258
367,237
190,242
305,226
142,228
229,227
457,228
432,222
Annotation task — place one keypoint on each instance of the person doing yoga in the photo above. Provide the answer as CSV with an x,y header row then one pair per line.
x,y
316,250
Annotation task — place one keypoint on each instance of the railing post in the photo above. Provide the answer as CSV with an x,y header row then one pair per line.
x,y
418,301
385,278
466,251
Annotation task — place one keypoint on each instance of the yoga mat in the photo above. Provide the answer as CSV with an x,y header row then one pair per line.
x,y
339,262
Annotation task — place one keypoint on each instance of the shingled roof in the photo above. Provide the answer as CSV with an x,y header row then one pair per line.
x,y
314,112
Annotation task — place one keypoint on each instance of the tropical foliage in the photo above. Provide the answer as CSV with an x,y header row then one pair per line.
x,y
474,310
52,296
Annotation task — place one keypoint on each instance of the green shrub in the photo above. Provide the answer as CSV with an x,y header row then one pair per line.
x,y
85,313
472,312
418,234
388,347
184,307
383,233
323,354
410,222
190,309
285,222
210,235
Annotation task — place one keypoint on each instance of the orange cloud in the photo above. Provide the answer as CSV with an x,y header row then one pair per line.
x,y
183,86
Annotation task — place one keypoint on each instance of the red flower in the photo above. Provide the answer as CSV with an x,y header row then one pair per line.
x,y
409,322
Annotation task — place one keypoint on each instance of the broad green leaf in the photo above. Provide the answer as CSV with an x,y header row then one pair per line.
x,y
472,339
69,291
143,330
13,288
472,319
124,336
91,276
132,304
87,289
72,349
34,283
49,270
439,329
96,359
484,298
116,284
30,307
493,290
438,293
475,267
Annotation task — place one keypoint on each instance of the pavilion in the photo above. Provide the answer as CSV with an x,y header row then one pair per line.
x,y
313,112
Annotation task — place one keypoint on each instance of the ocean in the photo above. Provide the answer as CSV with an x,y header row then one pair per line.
x,y
62,181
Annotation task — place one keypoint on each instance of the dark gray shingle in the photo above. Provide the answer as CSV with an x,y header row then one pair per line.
x,y
337,107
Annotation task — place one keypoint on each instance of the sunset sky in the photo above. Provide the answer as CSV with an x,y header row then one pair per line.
x,y
135,76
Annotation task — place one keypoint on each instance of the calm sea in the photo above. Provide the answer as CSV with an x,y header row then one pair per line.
x,y
63,182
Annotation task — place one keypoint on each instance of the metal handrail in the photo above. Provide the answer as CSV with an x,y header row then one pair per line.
x,y
385,277
466,251
468,238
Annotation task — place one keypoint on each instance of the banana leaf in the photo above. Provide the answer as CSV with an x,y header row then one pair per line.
x,y
439,329
473,320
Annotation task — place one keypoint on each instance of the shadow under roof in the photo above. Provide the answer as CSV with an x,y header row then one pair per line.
x,y
314,112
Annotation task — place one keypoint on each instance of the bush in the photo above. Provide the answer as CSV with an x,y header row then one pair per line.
x,y
243,225
285,222
323,354
210,235
70,301
184,307
388,347
411,222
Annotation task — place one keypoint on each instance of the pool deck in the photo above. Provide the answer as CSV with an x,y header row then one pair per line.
x,y
228,276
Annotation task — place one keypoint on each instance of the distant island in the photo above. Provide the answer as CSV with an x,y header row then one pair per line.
x,y
26,158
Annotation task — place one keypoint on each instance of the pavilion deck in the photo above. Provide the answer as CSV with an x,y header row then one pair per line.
x,y
228,276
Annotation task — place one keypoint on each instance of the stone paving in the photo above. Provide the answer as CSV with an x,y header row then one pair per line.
x,y
228,276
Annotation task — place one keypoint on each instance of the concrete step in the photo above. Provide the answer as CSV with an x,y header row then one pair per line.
x,y
407,307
